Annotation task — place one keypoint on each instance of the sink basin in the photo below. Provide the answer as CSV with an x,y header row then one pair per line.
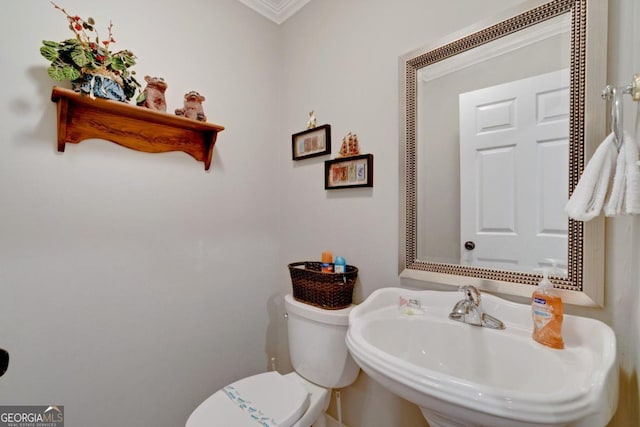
x,y
464,375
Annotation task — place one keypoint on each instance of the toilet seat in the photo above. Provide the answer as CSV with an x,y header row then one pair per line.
x,y
267,399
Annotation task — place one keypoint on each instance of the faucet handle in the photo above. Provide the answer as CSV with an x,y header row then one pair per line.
x,y
471,293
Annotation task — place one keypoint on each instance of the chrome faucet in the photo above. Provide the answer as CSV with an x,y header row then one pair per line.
x,y
470,311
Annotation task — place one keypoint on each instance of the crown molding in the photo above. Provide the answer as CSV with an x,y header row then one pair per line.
x,y
276,10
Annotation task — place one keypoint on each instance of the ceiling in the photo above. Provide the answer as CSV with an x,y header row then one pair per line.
x,y
276,10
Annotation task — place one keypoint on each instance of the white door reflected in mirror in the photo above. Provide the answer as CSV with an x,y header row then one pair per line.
x,y
514,158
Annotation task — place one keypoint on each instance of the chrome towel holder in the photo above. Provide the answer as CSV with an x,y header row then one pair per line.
x,y
614,95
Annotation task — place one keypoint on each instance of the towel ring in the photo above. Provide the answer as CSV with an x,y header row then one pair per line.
x,y
614,95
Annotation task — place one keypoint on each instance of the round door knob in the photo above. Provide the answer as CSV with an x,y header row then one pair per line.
x,y
469,245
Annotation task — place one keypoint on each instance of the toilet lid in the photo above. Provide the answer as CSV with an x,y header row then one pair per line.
x,y
267,400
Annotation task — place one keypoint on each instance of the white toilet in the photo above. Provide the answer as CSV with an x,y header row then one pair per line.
x,y
321,361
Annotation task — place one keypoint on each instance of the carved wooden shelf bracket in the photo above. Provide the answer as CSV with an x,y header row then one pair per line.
x,y
81,117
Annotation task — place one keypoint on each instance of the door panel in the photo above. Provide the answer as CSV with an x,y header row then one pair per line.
x,y
514,168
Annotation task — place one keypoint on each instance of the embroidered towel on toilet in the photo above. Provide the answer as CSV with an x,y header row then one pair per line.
x,y
589,196
269,399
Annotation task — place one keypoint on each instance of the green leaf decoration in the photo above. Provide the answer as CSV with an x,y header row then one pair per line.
x,y
67,47
118,64
140,99
49,43
55,73
72,41
71,73
70,58
49,53
80,57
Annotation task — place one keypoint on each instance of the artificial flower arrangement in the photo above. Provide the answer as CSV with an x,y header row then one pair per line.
x,y
88,63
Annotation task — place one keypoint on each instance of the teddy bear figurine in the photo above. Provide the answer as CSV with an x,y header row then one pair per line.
x,y
192,107
152,96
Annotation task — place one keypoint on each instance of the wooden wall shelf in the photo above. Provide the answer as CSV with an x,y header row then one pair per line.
x,y
81,117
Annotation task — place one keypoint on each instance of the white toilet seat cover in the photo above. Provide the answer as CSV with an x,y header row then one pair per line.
x,y
267,399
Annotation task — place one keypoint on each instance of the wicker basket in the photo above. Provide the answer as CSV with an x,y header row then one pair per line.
x,y
331,291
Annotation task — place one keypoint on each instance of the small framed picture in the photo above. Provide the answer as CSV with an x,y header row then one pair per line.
x,y
349,172
311,142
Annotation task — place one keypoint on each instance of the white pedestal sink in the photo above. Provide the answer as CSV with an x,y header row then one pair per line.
x,y
462,375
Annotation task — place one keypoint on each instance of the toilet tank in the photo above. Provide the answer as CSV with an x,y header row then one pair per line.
x,y
317,344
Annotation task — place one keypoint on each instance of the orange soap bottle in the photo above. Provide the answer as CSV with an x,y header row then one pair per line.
x,y
547,314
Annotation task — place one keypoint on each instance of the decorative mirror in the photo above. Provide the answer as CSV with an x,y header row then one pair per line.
x,y
497,122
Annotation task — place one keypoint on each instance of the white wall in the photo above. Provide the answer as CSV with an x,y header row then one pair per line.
x,y
623,233
340,58
133,285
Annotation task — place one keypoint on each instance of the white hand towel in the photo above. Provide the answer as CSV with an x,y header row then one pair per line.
x,y
615,201
625,193
588,197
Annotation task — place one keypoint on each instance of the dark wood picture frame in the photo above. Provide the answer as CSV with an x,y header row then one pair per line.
x,y
349,172
311,143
